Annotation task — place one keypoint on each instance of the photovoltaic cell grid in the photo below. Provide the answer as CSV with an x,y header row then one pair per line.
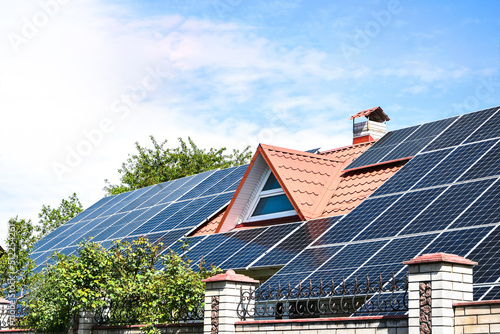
x,y
440,134
441,201
165,211
402,143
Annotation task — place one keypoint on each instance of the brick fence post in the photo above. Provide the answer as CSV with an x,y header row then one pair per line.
x,y
222,295
436,281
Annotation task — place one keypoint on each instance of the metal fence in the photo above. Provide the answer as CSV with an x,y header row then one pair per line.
x,y
129,313
323,300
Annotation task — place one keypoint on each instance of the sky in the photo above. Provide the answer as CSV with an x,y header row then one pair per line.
x,y
82,81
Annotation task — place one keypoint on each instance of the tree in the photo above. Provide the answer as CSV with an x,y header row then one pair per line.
x,y
123,280
160,164
16,266
50,219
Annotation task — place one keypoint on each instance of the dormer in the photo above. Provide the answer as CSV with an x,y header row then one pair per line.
x,y
374,128
281,185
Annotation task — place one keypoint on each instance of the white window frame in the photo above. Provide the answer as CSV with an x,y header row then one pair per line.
x,y
264,194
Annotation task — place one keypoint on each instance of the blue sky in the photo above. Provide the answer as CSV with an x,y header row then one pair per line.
x,y
81,81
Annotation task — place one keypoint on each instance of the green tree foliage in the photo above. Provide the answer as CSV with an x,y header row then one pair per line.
x,y
16,264
160,164
52,218
16,267
125,277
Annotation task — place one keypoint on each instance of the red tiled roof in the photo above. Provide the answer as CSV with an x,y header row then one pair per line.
x,y
367,112
315,183
305,177
354,187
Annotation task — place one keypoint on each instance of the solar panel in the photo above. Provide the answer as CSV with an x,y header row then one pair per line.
x,y
487,255
243,257
295,243
165,211
402,143
414,143
445,199
489,129
357,220
392,221
235,242
413,171
461,129
453,165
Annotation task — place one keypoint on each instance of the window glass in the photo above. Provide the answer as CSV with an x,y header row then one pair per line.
x,y
271,183
272,204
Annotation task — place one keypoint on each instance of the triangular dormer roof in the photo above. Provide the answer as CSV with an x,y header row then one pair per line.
x,y
307,179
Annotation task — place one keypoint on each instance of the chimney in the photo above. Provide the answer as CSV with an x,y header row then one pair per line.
x,y
373,128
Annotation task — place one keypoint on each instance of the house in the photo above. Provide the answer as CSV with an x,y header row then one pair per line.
x,y
359,210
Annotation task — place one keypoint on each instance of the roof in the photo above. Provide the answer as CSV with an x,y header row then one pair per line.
x,y
377,114
361,209
354,187
314,183
310,181
210,226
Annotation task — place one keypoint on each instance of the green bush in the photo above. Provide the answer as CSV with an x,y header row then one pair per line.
x,y
126,276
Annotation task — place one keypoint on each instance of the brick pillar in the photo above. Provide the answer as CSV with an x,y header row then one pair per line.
x,y
222,295
85,323
436,281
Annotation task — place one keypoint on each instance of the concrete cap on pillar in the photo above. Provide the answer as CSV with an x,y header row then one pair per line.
x,y
440,257
230,275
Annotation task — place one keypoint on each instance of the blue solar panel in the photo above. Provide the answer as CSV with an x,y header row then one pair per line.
x,y
461,129
214,204
131,226
419,139
310,260
483,211
358,219
486,166
161,218
487,255
295,243
243,257
228,183
391,222
489,129
175,220
458,242
448,207
237,241
207,245
453,165
413,171
206,184
382,147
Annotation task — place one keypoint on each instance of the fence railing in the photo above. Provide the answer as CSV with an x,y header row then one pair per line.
x,y
331,299
129,313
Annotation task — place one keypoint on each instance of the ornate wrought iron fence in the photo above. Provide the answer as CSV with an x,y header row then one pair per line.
x,y
331,299
129,313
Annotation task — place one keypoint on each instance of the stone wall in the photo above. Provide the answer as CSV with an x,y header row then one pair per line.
x,y
477,317
353,325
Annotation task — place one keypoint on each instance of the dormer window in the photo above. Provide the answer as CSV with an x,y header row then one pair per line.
x,y
271,202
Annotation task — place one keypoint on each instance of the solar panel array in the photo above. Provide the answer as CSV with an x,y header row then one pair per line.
x,y
446,199
448,132
168,211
